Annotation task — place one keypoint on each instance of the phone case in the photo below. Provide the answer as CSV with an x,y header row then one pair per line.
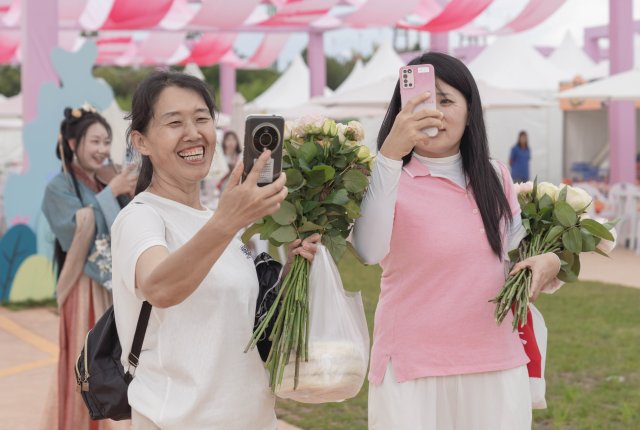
x,y
419,79
263,132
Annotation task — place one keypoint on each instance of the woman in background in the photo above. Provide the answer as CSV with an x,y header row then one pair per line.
x,y
80,210
519,158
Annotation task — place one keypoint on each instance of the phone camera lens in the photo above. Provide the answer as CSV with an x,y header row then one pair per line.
x,y
265,136
409,71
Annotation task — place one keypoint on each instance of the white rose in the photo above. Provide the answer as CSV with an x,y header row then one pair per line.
x,y
363,153
526,187
340,129
549,189
607,246
578,198
354,131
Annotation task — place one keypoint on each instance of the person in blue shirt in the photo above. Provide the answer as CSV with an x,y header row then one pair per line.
x,y
519,158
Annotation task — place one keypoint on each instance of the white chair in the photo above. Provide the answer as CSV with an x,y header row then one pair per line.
x,y
625,198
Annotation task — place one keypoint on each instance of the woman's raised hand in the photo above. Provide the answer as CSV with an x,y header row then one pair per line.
x,y
406,131
244,203
124,182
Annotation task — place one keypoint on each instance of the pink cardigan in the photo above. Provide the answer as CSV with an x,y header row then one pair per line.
x,y
434,317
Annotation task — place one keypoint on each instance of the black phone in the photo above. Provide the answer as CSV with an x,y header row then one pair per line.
x,y
263,132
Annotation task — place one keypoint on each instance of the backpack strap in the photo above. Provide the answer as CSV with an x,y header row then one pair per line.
x,y
138,339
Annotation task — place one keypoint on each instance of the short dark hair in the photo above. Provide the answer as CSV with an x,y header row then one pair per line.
x,y
142,104
483,178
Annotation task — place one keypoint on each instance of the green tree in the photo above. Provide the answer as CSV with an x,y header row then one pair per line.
x,y
9,80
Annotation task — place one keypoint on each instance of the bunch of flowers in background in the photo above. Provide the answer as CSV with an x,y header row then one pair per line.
x,y
556,221
327,169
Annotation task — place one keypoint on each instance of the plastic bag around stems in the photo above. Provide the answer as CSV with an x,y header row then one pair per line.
x,y
338,340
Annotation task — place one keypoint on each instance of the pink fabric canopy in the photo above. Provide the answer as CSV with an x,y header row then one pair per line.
x,y
130,15
9,42
218,13
297,13
533,14
71,10
456,14
267,53
210,48
378,12
178,15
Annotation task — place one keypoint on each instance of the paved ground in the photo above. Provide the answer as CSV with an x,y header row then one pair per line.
x,y
28,356
28,345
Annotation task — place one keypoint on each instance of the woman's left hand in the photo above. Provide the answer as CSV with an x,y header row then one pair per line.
x,y
544,269
305,248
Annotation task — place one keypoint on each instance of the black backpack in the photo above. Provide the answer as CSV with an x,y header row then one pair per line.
x,y
101,378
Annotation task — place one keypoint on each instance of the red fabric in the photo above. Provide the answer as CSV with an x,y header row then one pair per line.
x,y
456,14
210,48
127,14
533,14
528,337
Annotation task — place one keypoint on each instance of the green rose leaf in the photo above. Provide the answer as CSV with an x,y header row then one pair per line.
x,y
286,214
284,234
309,226
336,245
268,228
321,174
530,210
596,229
572,240
339,197
562,196
553,234
307,151
353,210
565,214
355,181
567,276
588,241
294,178
545,202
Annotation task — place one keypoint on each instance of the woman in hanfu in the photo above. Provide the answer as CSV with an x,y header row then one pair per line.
x,y
80,211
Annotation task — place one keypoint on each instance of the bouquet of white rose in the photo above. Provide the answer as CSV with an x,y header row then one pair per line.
x,y
327,169
556,221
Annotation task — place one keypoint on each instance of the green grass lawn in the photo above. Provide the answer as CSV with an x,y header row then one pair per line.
x,y
593,361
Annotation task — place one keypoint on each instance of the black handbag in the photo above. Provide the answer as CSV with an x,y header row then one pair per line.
x,y
269,280
100,375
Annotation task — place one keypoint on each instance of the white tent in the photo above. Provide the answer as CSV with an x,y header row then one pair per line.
x,y
291,89
623,86
384,63
512,64
193,70
571,58
354,79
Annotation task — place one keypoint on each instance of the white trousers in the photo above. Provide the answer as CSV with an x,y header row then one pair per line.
x,y
481,401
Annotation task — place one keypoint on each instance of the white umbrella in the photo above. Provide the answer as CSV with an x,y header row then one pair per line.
x,y
622,86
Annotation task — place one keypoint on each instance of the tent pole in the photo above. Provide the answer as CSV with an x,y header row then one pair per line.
x,y
39,37
227,87
317,64
622,114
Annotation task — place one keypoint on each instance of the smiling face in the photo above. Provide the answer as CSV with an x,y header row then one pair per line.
x,y
453,105
94,148
180,138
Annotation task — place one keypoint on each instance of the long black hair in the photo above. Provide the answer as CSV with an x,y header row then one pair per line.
x,y
74,126
144,99
485,183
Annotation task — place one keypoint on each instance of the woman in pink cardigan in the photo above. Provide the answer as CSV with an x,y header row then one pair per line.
x,y
439,220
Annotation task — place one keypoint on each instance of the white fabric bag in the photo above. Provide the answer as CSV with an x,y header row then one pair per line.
x,y
338,340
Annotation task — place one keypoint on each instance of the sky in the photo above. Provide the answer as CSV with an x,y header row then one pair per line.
x,y
572,17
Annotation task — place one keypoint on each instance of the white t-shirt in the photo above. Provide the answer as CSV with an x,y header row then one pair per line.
x,y
193,371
